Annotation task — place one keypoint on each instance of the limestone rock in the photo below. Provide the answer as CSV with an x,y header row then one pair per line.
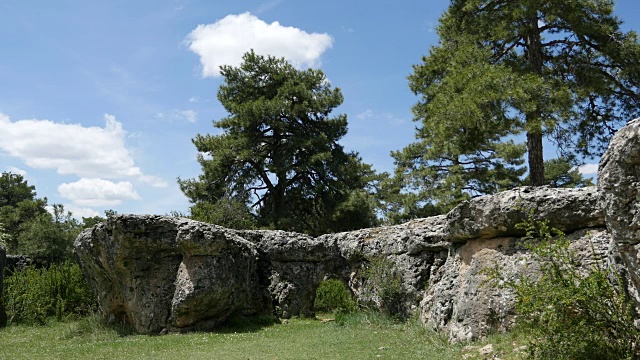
x,y
414,251
461,304
497,215
162,273
619,184
293,265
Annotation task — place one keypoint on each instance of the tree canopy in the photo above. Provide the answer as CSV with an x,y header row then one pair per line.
x,y
26,227
278,163
544,68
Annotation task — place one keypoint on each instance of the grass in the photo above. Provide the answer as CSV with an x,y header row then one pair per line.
x,y
352,336
360,336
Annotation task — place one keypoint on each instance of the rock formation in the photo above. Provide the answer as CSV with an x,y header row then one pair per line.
x,y
619,185
170,274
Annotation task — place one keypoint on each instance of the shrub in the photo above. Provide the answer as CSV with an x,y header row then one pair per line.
x,y
385,284
32,295
333,296
569,313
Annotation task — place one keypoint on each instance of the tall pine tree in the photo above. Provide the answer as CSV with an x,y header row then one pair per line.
x,y
547,68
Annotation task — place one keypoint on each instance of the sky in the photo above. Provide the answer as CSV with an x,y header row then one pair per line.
x,y
99,100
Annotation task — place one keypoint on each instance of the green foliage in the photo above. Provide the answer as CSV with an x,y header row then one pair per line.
x,y
49,238
18,206
557,69
333,296
278,162
561,173
32,295
384,283
569,313
229,213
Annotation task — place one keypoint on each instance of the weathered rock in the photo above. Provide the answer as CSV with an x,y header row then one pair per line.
x,y
162,273
293,265
619,184
461,303
3,260
414,251
497,215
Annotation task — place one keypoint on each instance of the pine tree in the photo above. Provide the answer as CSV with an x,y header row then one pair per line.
x,y
557,69
278,163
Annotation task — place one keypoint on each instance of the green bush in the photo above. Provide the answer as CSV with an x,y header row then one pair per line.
x,y
569,313
385,283
32,295
333,296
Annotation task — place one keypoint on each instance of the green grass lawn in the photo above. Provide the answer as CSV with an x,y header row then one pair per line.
x,y
359,336
364,336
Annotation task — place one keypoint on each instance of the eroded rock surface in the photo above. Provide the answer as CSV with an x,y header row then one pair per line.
x,y
168,274
497,215
162,273
461,303
619,185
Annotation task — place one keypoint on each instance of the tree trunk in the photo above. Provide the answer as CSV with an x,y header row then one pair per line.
x,y
536,160
534,118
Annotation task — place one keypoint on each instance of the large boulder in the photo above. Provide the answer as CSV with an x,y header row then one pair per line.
x,y
619,184
292,267
168,274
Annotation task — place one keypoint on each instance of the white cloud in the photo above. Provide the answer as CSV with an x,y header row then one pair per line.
x,y
193,99
98,192
153,181
225,41
15,170
180,115
588,169
80,212
89,152
365,114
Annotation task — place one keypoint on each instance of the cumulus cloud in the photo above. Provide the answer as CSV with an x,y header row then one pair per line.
x,y
88,152
588,169
225,41
98,192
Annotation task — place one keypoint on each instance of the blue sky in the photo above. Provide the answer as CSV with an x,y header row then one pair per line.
x,y
99,100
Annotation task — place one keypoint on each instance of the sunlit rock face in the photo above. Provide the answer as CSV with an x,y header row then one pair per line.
x,y
619,185
162,273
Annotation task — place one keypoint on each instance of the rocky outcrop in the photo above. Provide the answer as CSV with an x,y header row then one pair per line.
x,y
497,215
460,303
169,274
619,185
